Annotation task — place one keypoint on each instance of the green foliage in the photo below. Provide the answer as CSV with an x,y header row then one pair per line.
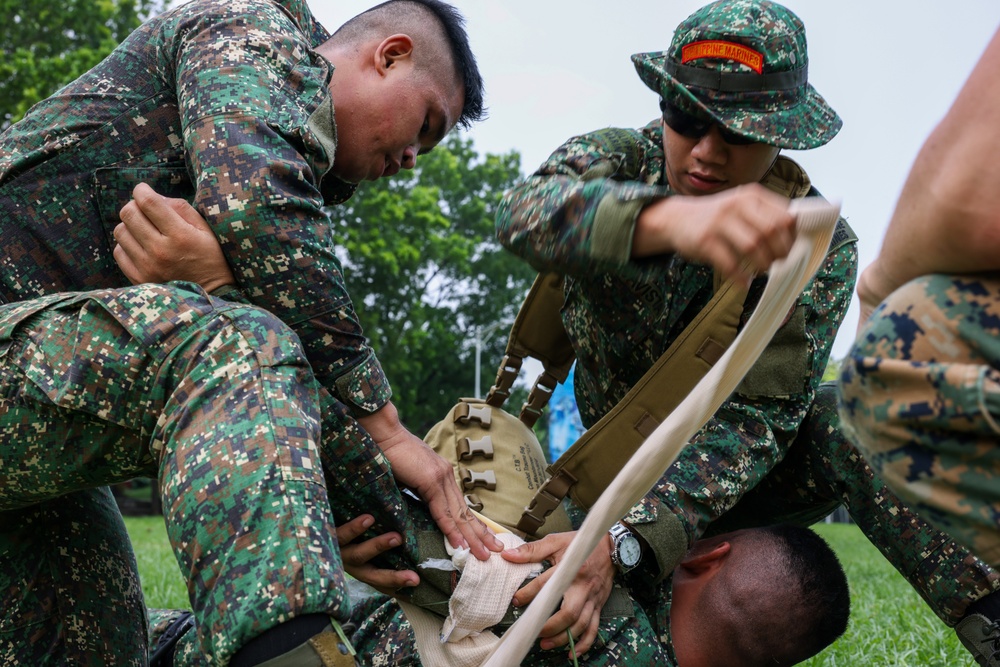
x,y
45,44
426,273
832,371
162,584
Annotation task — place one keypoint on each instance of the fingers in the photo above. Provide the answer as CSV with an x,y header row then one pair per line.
x,y
765,237
353,529
387,582
741,231
356,557
586,640
460,526
158,212
126,264
188,213
531,552
477,535
134,226
582,627
525,594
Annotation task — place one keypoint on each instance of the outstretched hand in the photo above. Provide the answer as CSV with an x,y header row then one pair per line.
x,y
580,612
160,239
419,467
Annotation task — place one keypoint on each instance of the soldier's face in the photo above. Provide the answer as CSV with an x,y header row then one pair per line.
x,y
707,164
393,119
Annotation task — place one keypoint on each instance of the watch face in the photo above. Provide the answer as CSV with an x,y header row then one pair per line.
x,y
629,551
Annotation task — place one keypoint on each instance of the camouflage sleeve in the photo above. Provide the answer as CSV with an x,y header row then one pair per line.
x,y
752,431
260,139
577,213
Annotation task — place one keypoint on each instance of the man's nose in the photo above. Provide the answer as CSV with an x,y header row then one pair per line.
x,y
409,157
711,147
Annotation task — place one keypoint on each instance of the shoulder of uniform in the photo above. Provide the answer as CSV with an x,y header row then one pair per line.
x,y
627,145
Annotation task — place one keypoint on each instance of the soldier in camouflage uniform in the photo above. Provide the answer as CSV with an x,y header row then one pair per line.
x,y
824,470
920,390
231,105
635,220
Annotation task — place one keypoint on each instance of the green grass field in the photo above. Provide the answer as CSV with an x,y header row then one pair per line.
x,y
890,626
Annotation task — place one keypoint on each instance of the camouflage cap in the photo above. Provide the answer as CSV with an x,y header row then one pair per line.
x,y
744,63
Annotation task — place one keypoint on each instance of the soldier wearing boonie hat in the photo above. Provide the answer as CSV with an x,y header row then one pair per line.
x,y
636,220
743,64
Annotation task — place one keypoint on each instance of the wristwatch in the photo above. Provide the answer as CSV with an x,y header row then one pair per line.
x,y
625,548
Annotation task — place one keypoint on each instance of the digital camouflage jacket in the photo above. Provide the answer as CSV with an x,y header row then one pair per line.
x,y
576,215
221,102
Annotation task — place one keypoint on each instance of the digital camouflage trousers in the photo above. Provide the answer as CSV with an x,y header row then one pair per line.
x,y
217,402
921,393
823,470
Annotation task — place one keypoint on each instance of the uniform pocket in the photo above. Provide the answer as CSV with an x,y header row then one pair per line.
x,y
113,189
784,367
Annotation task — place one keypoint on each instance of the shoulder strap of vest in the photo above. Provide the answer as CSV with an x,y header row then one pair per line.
x,y
586,468
538,332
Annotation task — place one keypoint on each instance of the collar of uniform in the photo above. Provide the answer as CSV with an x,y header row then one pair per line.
x,y
336,191
299,12
787,178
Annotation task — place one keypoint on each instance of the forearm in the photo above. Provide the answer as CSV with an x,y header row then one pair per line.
x,y
572,225
947,219
577,213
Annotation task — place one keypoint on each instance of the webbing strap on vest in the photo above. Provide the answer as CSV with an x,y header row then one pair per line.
x,y
586,468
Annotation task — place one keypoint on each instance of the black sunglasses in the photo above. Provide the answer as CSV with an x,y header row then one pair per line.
x,y
696,127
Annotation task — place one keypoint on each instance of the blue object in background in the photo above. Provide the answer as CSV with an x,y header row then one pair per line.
x,y
564,419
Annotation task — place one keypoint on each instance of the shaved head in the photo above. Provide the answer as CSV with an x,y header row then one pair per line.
x,y
782,598
441,44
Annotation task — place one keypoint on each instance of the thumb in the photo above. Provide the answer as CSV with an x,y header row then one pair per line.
x,y
530,552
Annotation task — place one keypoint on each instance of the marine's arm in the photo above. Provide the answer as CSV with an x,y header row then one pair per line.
x,y
947,219
575,214
250,93
259,138
590,208
746,223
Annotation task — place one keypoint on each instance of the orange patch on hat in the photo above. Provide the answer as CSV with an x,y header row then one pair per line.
x,y
716,48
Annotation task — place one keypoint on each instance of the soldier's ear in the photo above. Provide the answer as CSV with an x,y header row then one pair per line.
x,y
706,559
393,51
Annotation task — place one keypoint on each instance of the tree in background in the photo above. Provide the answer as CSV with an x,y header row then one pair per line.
x,y
46,44
427,275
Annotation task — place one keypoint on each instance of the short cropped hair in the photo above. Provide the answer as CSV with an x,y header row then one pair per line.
x,y
784,601
451,23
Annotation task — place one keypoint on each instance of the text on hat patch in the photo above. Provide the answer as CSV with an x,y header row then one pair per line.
x,y
715,48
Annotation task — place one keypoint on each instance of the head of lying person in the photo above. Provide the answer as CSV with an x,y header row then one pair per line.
x,y
768,596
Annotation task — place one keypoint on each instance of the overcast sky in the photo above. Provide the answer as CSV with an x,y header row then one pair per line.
x,y
890,68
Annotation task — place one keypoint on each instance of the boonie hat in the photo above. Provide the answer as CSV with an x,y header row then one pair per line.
x,y
744,63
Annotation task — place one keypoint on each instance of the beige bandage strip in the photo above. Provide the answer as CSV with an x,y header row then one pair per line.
x,y
479,601
815,224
